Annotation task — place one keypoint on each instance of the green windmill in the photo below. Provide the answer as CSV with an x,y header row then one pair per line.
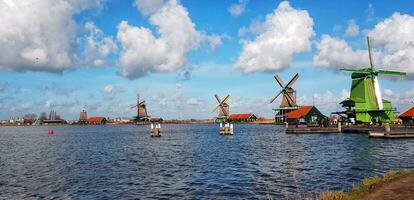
x,y
365,103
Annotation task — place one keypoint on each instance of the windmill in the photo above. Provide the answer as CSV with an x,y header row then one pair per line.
x,y
288,102
224,111
365,103
142,114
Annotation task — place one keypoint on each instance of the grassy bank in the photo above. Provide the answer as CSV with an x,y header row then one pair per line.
x,y
367,186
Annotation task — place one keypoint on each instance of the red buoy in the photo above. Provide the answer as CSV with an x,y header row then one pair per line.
x,y
50,132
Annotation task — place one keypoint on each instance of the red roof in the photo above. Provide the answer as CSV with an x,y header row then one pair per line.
x,y
240,116
408,113
299,112
96,119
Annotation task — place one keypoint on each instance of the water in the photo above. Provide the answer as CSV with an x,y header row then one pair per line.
x,y
188,162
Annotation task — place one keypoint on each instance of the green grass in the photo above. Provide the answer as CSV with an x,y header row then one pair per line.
x,y
367,186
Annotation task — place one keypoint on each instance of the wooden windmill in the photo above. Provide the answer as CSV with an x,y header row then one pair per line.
x,y
142,114
365,103
224,111
288,102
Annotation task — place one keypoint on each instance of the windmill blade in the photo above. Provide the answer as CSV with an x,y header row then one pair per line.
x,y
370,53
389,72
218,98
361,71
215,108
143,102
292,81
224,110
279,80
346,65
226,99
275,97
133,106
289,98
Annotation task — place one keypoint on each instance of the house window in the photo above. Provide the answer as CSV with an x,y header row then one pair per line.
x,y
314,118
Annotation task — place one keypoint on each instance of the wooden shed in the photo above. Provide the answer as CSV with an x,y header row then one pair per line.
x,y
309,115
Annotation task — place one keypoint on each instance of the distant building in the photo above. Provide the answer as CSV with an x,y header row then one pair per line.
x,y
53,118
407,116
83,117
309,115
97,120
248,117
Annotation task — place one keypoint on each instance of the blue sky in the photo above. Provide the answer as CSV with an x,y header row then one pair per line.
x,y
97,55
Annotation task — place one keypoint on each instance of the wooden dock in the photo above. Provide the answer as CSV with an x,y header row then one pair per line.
x,y
373,132
392,134
312,130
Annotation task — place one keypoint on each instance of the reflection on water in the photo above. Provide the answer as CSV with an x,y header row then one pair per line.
x,y
189,161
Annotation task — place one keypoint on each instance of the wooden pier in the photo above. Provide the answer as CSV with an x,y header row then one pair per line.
x,y
386,131
311,130
392,135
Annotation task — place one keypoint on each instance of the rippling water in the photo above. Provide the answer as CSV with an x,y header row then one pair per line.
x,y
188,162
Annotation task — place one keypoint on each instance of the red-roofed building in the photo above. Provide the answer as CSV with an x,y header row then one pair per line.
x,y
97,120
407,116
305,115
248,117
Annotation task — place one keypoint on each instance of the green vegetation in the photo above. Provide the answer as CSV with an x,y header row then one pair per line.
x,y
367,186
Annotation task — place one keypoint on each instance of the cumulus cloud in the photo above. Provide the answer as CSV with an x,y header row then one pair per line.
x,y
352,28
39,35
108,88
194,101
334,53
237,9
285,32
148,7
97,47
144,52
393,47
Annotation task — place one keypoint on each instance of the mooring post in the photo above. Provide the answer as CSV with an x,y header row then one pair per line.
x,y
387,128
339,127
286,125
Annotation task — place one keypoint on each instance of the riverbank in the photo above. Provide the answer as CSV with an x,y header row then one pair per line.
x,y
396,185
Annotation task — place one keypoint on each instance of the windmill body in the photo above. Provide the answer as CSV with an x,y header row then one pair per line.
x,y
223,107
142,113
365,103
288,102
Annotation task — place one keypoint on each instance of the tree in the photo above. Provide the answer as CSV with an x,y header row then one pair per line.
x,y
43,116
29,118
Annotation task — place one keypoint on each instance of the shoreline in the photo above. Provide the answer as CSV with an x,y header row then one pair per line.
x,y
395,185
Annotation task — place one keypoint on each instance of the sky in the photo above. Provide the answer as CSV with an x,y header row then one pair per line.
x,y
96,55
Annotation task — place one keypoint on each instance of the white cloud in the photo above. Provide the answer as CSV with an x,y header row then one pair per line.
x,y
393,47
144,52
237,9
326,102
400,100
148,7
335,53
49,104
194,101
352,29
39,35
108,88
284,32
97,47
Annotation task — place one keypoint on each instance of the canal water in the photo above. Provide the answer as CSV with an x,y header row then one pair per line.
x,y
188,162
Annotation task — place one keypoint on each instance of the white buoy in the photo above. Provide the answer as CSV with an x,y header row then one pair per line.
x,y
152,126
